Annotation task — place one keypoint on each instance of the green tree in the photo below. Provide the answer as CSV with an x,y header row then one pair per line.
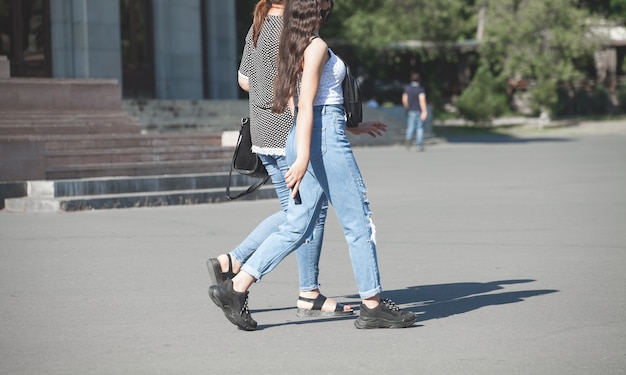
x,y
387,39
381,24
543,42
484,99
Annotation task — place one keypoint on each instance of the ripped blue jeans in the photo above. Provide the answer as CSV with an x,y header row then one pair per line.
x,y
309,252
332,173
415,125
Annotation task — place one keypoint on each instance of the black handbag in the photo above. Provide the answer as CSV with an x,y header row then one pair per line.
x,y
246,162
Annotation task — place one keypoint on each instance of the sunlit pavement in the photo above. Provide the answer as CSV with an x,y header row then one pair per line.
x,y
511,251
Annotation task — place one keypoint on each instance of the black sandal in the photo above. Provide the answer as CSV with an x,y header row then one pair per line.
x,y
215,270
316,310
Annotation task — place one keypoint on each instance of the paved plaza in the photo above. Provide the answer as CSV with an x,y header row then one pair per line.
x,y
511,250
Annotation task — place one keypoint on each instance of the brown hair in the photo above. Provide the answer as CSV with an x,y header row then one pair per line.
x,y
301,19
260,13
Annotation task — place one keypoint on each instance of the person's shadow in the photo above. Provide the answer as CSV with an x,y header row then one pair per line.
x,y
443,300
440,300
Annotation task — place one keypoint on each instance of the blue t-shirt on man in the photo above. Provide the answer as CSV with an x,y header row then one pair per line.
x,y
413,90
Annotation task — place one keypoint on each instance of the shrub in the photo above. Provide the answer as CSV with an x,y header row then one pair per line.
x,y
589,100
545,97
484,98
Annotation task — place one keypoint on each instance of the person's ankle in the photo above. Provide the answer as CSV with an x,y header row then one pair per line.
x,y
242,282
310,293
223,261
371,302
237,287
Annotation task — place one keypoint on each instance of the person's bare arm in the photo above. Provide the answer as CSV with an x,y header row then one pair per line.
x,y
313,66
423,107
243,82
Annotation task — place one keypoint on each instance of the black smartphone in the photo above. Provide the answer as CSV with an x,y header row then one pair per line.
x,y
297,198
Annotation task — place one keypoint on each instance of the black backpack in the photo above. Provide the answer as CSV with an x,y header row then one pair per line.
x,y
352,99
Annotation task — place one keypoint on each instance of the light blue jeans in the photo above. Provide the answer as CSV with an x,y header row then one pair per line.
x,y
309,252
332,173
415,125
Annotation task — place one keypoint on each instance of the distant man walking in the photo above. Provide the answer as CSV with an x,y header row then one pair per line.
x,y
414,101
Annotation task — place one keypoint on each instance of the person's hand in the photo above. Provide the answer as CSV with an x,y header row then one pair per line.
x,y
423,116
294,175
373,128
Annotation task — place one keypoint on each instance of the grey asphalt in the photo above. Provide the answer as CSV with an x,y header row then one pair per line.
x,y
511,250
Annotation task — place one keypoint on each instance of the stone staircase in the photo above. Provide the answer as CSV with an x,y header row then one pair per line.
x,y
90,151
134,155
57,145
77,161
66,144
125,192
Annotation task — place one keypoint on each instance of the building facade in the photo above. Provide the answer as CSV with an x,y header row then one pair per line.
x,y
164,49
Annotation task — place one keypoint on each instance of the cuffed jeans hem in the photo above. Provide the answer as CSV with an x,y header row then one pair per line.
x,y
254,273
370,293
309,289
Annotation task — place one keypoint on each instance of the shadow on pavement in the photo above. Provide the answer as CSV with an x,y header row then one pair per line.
x,y
435,301
468,134
443,300
501,138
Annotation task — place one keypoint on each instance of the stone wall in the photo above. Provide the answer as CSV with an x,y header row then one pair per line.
x,y
163,116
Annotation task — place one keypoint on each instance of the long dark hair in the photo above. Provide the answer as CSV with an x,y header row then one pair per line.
x,y
301,19
260,13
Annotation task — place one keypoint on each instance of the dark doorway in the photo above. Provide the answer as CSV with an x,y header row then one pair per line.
x,y
25,37
137,49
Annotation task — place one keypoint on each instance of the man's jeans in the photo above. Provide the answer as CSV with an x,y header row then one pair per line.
x,y
415,125
332,173
309,252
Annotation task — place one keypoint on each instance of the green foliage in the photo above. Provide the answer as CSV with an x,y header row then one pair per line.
x,y
484,99
384,23
593,101
540,41
545,96
545,42
589,100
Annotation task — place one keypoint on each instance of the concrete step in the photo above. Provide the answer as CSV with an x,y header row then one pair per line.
x,y
35,157
42,123
127,192
99,202
46,115
111,141
12,190
60,128
137,168
57,94
135,154
141,184
51,122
